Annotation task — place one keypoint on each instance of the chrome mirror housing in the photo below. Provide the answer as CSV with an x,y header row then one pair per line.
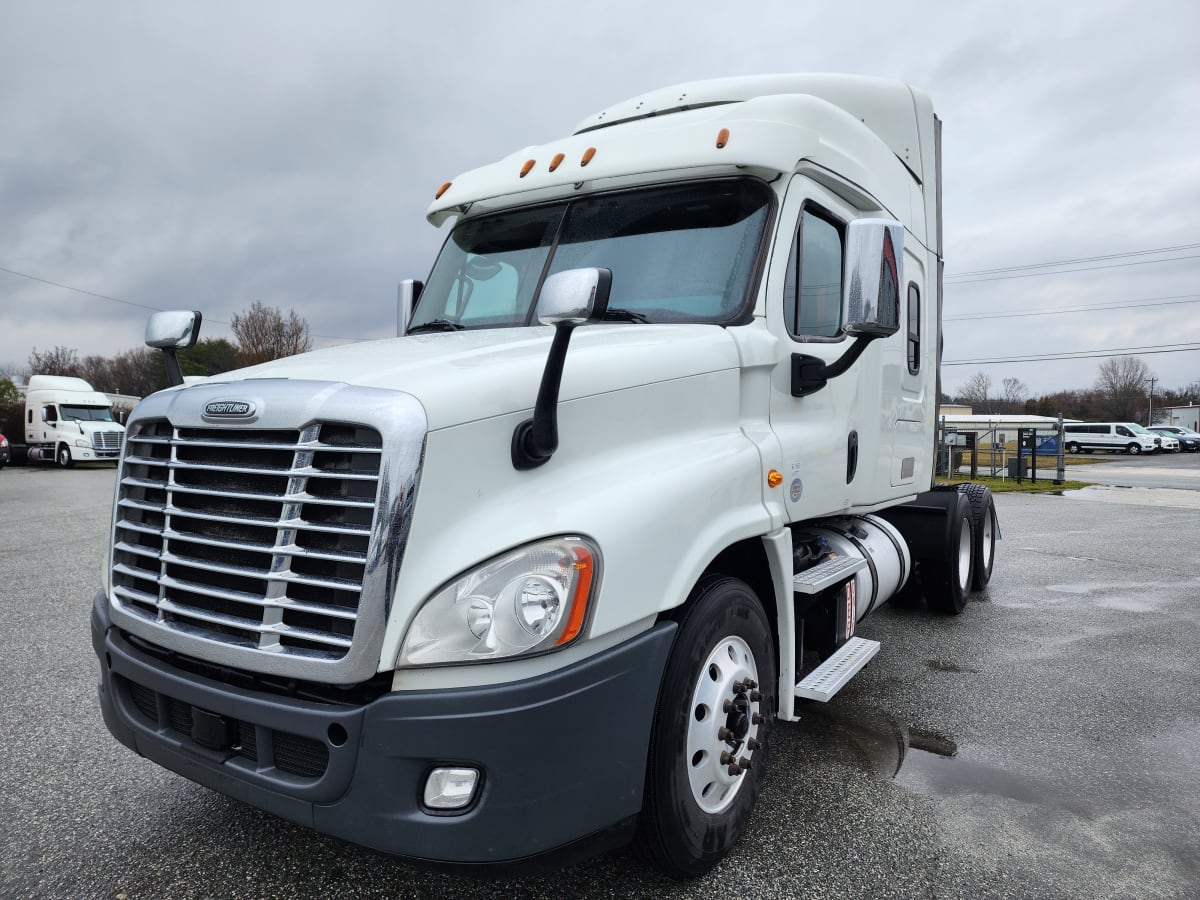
x,y
871,292
175,329
574,296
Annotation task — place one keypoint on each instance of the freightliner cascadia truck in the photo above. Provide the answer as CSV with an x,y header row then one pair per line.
x,y
542,575
69,421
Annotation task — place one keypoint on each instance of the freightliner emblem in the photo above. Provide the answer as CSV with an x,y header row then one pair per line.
x,y
229,409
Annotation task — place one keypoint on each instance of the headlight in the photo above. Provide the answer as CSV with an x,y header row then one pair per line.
x,y
531,600
83,442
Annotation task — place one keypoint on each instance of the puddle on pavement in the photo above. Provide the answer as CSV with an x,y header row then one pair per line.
x,y
928,762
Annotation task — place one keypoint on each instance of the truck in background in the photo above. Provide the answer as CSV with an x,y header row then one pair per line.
x,y
542,575
67,421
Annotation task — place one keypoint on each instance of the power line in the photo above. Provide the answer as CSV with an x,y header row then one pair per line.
x,y
67,287
1079,354
1136,262
1071,262
1116,304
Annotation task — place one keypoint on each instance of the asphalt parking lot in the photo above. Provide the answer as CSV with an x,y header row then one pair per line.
x,y
1043,744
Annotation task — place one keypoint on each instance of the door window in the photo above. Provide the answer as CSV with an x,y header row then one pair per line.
x,y
812,289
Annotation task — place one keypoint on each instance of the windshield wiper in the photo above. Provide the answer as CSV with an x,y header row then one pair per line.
x,y
624,315
436,325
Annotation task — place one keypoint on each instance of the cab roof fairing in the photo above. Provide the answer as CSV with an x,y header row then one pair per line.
x,y
767,135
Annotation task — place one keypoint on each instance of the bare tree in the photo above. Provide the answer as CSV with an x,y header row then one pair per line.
x,y
59,361
1014,394
975,391
1121,387
264,334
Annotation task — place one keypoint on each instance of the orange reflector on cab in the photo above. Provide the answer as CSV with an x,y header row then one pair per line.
x,y
722,138
529,163
445,187
583,565
587,156
556,162
774,478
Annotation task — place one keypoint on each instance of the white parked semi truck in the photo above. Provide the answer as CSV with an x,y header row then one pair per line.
x,y
542,575
68,421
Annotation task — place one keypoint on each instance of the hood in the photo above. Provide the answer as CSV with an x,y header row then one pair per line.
x,y
469,375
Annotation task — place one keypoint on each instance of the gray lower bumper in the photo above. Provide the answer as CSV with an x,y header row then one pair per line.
x,y
563,755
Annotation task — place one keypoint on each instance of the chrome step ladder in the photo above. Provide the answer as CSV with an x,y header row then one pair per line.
x,y
832,675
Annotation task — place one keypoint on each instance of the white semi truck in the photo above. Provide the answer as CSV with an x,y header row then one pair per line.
x,y
542,575
68,421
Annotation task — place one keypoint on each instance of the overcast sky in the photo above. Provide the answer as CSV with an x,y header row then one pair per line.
x,y
209,154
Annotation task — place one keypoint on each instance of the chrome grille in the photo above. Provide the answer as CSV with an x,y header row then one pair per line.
x,y
256,538
107,442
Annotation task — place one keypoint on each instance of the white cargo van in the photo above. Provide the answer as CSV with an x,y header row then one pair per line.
x,y
1125,437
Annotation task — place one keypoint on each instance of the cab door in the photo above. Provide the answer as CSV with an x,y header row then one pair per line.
x,y
837,442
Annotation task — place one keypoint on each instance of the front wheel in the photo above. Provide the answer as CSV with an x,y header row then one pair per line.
x,y
1072,447
64,457
708,749
1133,449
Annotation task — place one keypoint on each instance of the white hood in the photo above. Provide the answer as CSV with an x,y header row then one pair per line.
x,y
470,375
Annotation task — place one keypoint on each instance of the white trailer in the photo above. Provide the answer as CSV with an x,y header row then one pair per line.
x,y
543,575
68,421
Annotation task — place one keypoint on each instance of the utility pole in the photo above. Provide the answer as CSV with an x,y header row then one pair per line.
x,y
1150,417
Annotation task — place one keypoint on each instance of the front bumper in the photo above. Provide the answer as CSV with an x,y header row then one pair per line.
x,y
562,755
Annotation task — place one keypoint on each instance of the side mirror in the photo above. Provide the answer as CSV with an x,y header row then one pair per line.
x,y
176,329
568,299
407,296
574,296
871,292
170,332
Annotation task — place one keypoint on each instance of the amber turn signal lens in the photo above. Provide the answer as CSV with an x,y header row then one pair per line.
x,y
774,478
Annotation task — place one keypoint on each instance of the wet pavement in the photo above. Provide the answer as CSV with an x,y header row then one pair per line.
x,y
1046,743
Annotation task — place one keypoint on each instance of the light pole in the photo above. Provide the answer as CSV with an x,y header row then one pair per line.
x,y
1150,417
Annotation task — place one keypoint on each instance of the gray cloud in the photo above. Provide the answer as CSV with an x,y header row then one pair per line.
x,y
208,155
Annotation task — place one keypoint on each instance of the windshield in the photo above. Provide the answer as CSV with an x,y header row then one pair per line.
x,y
86,413
685,253
1138,429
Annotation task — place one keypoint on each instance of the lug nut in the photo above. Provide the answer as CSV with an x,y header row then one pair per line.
x,y
743,763
727,758
752,744
739,686
727,706
755,696
734,770
751,683
756,718
724,734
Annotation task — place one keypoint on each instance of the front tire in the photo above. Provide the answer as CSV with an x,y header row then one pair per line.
x,y
63,457
1133,449
713,719
1072,447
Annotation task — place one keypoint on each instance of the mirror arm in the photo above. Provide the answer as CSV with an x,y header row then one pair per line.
x,y
811,373
535,440
171,361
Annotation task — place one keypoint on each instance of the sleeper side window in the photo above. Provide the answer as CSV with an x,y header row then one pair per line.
x,y
812,290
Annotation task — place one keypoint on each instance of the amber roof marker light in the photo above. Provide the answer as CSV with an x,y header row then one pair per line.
x,y
529,164
557,161
445,187
722,138
587,156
